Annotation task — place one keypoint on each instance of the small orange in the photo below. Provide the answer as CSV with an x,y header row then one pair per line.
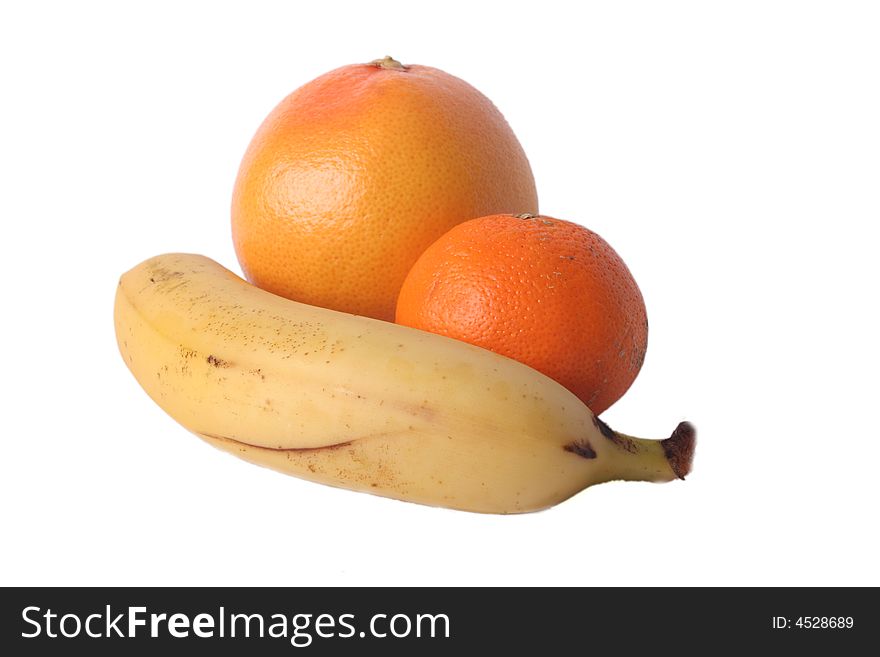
x,y
354,174
546,292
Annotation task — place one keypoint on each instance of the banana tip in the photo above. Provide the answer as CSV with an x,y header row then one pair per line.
x,y
679,449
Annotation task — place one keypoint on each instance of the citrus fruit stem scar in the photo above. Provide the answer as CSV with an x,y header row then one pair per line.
x,y
388,62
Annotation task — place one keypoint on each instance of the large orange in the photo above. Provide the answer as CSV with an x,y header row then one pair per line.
x,y
353,175
546,292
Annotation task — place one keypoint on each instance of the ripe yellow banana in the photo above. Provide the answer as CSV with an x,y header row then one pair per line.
x,y
365,404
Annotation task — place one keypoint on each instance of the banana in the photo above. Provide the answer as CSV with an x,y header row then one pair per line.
x,y
364,404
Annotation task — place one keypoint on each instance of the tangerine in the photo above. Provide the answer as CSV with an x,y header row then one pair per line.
x,y
547,292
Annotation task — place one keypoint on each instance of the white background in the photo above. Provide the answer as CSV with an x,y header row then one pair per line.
x,y
730,152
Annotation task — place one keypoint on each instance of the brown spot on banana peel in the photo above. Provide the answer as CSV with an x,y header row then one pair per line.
x,y
217,362
581,448
161,274
624,442
604,429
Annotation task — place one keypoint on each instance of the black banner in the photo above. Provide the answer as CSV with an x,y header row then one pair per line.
x,y
335,621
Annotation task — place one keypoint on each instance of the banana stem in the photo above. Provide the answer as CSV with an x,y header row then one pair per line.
x,y
638,459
